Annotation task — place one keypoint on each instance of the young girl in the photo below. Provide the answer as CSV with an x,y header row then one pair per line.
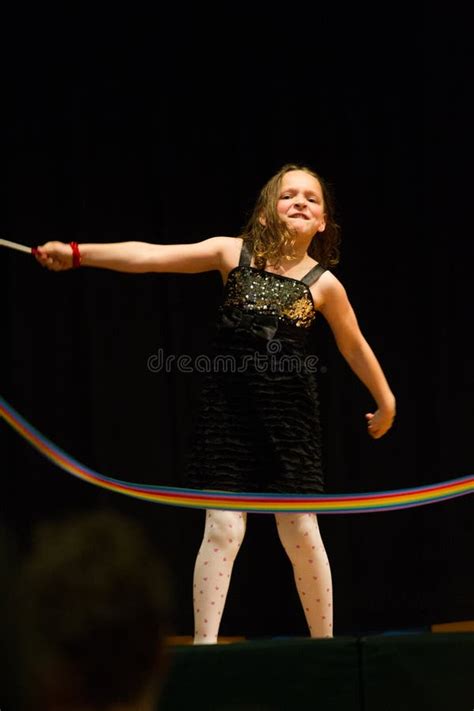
x,y
258,424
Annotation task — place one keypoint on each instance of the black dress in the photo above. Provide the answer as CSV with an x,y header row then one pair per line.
x,y
257,428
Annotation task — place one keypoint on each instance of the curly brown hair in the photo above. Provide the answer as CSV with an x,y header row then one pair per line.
x,y
269,238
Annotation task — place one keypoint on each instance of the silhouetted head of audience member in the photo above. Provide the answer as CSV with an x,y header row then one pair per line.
x,y
95,606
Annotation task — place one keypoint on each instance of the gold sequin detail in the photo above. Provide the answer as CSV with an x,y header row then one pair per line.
x,y
301,312
256,290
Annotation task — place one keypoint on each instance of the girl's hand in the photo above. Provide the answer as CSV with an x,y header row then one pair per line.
x,y
56,256
379,423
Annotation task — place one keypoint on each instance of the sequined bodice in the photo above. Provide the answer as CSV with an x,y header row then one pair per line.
x,y
256,291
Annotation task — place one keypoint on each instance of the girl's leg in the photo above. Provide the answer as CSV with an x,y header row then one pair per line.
x,y
300,536
223,534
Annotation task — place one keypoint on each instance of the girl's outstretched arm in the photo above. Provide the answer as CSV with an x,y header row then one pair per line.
x,y
339,314
137,257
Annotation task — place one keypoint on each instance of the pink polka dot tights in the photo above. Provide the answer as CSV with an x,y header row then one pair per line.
x,y
223,535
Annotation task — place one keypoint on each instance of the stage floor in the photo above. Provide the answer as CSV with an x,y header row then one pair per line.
x,y
393,672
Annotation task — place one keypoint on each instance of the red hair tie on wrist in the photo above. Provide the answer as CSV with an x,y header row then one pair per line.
x,y
76,255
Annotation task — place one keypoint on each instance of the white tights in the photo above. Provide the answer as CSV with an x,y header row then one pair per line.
x,y
223,535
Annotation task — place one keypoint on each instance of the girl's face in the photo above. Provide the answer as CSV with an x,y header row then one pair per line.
x,y
300,204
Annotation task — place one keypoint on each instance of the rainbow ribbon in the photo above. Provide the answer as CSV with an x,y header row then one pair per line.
x,y
241,501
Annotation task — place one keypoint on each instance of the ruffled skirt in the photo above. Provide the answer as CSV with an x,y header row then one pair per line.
x,y
257,429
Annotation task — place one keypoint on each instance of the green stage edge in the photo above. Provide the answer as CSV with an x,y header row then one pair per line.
x,y
418,672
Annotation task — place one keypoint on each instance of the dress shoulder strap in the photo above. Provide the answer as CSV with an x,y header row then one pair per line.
x,y
313,275
245,256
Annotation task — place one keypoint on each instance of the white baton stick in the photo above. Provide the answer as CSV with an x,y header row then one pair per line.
x,y
18,247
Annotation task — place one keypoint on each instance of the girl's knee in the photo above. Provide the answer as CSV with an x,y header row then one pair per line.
x,y
297,524
225,528
299,533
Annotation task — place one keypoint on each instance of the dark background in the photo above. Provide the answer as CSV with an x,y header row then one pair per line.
x,y
162,126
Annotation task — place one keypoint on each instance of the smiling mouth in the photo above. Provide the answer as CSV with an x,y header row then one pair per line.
x,y
299,215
